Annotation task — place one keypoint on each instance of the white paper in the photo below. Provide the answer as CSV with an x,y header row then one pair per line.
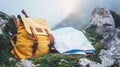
x,y
68,38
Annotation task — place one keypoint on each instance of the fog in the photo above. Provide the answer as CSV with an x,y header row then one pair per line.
x,y
58,11
80,18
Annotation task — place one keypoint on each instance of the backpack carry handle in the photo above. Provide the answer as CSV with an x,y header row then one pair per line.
x,y
23,12
19,17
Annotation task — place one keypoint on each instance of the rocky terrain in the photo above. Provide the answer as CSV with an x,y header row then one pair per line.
x,y
106,26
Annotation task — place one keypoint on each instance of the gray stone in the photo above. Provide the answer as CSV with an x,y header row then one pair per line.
x,y
25,63
111,37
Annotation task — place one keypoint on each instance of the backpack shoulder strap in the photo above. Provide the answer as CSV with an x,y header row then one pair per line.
x,y
11,40
35,42
15,21
51,37
23,12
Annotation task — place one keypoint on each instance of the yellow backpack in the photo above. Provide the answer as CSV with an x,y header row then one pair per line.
x,y
33,38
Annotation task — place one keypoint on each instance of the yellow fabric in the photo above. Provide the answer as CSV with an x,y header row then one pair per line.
x,y
23,47
35,23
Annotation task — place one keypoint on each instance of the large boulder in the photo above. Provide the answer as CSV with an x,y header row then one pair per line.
x,y
102,18
105,24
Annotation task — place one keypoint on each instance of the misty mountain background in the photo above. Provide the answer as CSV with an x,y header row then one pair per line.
x,y
58,13
80,18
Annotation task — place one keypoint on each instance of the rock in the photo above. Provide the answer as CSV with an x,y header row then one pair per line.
x,y
3,21
105,63
116,18
25,63
106,57
6,24
103,19
84,62
113,46
12,59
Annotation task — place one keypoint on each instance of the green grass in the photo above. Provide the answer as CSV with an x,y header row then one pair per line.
x,y
95,39
4,59
57,60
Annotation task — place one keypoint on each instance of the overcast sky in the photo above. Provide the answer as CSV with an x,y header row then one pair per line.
x,y
53,11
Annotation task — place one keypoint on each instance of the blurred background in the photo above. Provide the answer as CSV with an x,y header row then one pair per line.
x,y
58,13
